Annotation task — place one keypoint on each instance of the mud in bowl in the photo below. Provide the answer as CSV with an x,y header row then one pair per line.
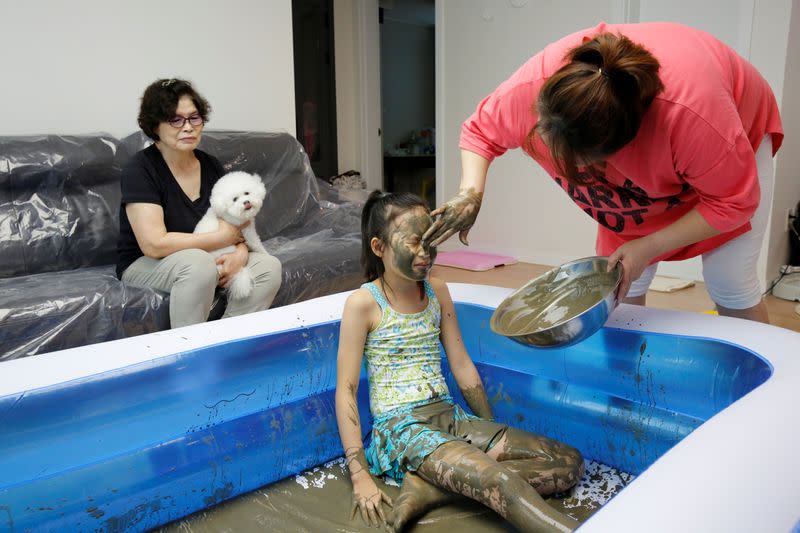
x,y
561,307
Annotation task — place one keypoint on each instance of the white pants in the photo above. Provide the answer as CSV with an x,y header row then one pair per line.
x,y
730,271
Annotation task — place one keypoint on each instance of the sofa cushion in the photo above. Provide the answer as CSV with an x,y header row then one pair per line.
x,y
59,199
57,310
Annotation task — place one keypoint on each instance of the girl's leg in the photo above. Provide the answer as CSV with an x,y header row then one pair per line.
x,y
417,497
266,271
190,276
464,469
547,465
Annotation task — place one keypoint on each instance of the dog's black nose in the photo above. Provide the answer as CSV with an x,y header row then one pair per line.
x,y
248,205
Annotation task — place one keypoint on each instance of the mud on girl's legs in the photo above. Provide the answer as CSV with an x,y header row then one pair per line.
x,y
464,469
417,497
548,465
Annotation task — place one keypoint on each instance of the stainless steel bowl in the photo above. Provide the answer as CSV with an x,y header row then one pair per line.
x,y
562,306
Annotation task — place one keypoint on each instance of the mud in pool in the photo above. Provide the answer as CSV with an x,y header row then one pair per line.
x,y
319,500
550,301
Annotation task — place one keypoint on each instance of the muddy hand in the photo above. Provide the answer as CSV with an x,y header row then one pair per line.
x,y
457,215
368,499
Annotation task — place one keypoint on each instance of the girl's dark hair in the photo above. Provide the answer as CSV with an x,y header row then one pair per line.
x,y
593,106
379,211
160,100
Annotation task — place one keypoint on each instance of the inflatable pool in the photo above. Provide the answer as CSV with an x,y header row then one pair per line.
x,y
132,434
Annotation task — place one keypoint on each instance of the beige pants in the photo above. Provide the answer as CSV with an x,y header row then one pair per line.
x,y
190,277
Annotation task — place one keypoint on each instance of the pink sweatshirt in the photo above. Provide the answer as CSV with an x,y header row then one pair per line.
x,y
695,147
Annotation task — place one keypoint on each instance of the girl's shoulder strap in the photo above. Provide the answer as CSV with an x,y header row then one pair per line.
x,y
431,293
376,293
429,290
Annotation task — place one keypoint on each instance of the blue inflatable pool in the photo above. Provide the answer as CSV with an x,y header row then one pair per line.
x,y
129,435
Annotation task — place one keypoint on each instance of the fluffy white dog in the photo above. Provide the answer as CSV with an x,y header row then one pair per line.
x,y
236,197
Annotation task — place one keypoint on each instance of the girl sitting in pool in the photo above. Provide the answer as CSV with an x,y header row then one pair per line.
x,y
420,438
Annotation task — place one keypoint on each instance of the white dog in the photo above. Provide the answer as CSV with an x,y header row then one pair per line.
x,y
236,197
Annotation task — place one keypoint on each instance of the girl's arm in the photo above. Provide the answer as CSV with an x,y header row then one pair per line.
x,y
460,362
356,322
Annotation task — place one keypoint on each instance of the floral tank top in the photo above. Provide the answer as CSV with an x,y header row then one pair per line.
x,y
404,363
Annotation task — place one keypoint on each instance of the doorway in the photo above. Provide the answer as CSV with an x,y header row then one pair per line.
x,y
408,96
314,82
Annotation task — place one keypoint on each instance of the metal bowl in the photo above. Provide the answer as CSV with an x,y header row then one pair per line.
x,y
562,306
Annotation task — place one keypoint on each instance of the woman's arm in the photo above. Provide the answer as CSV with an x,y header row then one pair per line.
x,y
637,254
229,264
459,213
355,326
469,382
147,222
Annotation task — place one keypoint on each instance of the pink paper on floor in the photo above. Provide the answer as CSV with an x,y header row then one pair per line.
x,y
477,261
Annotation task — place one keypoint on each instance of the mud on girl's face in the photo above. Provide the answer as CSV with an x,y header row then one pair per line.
x,y
405,249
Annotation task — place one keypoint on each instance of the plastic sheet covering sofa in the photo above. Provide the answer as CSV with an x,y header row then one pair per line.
x,y
59,204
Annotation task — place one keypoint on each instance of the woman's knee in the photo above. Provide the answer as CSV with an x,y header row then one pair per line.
x,y
734,287
266,271
197,267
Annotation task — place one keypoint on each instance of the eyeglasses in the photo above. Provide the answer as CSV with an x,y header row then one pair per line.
x,y
178,121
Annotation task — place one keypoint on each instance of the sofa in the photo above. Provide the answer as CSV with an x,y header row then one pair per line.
x,y
59,221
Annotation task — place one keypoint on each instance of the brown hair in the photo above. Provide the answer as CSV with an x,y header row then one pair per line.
x,y
160,100
593,106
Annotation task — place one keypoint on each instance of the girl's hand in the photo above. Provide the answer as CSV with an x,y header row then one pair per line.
x,y
229,264
635,256
230,235
369,499
457,215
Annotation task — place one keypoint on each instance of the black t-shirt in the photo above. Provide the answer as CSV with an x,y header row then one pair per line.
x,y
147,179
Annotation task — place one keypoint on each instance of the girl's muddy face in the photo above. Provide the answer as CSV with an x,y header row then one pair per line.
x,y
406,252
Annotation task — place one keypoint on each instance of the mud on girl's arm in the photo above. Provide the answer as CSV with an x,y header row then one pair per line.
x,y
356,323
464,371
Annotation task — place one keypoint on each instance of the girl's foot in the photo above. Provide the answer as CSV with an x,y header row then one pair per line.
x,y
417,497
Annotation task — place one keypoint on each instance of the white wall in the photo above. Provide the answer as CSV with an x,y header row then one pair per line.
x,y
81,66
787,164
479,44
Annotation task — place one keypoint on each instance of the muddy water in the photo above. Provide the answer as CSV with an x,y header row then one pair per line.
x,y
552,300
319,500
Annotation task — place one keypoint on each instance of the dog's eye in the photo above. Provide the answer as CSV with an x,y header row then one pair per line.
x,y
235,198
246,193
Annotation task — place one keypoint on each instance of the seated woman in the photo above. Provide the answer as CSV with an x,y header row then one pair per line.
x,y
419,436
165,192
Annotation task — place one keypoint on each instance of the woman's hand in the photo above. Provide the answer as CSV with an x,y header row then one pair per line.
x,y
229,264
456,215
369,499
230,235
635,256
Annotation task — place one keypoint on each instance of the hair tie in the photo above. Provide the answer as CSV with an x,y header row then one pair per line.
x,y
167,83
601,73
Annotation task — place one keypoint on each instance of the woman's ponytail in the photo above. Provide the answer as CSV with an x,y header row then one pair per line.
x,y
593,105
